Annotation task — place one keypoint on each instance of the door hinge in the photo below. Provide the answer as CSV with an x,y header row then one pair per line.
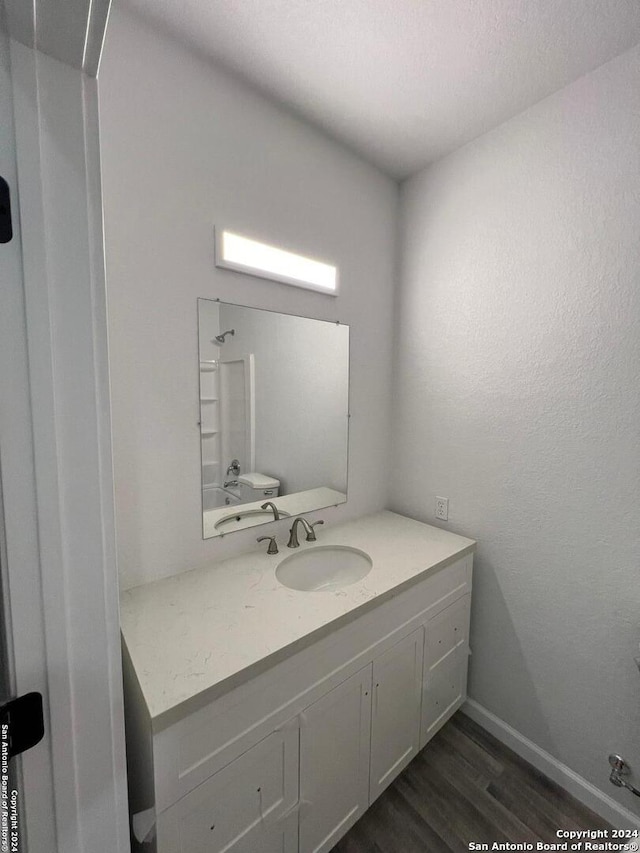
x,y
6,229
22,722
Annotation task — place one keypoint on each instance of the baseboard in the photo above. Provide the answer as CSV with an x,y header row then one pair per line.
x,y
585,792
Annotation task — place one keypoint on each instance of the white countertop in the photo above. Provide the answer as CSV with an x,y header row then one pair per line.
x,y
215,627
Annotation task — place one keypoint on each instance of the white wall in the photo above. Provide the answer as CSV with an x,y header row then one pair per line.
x,y
185,147
518,397
301,395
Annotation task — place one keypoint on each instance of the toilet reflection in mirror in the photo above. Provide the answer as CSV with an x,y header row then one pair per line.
x,y
274,403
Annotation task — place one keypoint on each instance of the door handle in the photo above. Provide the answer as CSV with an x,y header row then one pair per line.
x,y
6,228
22,722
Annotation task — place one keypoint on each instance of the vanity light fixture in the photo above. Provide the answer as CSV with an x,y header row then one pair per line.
x,y
236,252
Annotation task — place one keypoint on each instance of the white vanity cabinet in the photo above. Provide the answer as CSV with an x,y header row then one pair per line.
x,y
334,762
396,703
248,806
289,755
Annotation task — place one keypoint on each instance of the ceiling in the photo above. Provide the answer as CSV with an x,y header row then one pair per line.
x,y
69,30
403,81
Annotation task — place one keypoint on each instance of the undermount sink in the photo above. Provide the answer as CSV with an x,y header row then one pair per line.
x,y
325,567
238,519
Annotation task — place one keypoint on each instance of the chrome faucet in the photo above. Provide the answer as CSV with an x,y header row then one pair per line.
x,y
231,483
311,534
272,506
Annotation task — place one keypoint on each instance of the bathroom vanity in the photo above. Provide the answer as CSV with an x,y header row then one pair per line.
x,y
266,719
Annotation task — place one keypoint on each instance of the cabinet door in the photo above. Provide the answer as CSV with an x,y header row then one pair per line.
x,y
281,838
395,717
445,666
246,806
334,763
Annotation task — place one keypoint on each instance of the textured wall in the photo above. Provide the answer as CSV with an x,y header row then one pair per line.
x,y
185,147
518,397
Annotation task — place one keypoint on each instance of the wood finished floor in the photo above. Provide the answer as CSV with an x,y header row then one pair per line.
x,y
466,786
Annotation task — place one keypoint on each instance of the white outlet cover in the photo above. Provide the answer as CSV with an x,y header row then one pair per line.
x,y
442,508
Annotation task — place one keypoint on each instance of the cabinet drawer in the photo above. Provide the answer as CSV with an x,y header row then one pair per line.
x,y
244,801
282,838
446,657
448,585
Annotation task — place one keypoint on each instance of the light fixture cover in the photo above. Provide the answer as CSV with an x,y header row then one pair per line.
x,y
243,254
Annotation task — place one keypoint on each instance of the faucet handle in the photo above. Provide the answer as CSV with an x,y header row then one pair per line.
x,y
273,545
234,467
311,535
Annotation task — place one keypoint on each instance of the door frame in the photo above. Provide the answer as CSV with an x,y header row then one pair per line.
x,y
57,469
22,629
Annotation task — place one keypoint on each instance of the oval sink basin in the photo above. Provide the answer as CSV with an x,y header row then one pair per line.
x,y
245,518
325,567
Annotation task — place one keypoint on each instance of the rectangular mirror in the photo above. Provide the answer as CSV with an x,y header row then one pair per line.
x,y
274,409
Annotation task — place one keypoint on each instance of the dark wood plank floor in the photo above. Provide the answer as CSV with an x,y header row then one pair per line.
x,y
466,786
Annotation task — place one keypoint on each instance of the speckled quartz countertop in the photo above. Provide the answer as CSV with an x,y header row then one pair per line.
x,y
215,627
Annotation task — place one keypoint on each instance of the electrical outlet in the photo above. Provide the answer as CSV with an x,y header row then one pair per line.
x,y
442,508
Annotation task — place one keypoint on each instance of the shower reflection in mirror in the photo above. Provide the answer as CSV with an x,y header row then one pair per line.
x,y
274,401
